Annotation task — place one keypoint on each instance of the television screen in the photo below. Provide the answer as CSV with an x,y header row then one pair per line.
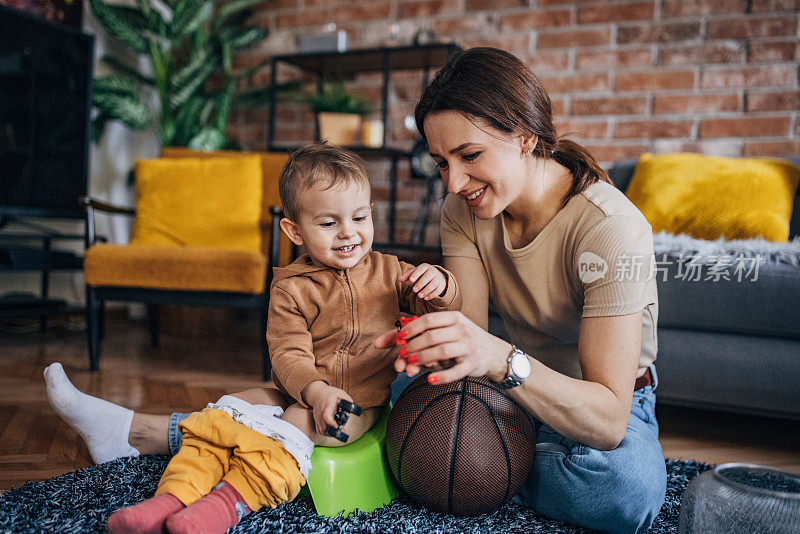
x,y
45,102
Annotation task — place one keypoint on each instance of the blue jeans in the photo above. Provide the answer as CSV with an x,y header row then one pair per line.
x,y
621,490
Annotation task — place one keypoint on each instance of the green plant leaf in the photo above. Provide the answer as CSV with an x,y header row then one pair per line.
x,y
189,15
205,113
249,37
121,24
127,70
187,119
227,56
133,113
182,94
230,8
196,61
117,84
209,139
224,105
334,97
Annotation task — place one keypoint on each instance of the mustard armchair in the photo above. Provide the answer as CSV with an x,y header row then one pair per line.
x,y
205,233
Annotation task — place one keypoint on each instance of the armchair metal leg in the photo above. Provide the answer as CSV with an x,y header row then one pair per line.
x,y
102,320
153,323
93,304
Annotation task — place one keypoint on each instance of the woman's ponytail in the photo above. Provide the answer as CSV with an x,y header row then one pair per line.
x,y
580,162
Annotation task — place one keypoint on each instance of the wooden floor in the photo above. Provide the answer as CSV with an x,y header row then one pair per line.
x,y
197,364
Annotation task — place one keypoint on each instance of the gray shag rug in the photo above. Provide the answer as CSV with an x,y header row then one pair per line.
x,y
82,501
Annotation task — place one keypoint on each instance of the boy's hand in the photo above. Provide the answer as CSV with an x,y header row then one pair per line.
x,y
429,282
324,400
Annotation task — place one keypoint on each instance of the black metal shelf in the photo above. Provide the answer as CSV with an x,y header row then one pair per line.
x,y
372,59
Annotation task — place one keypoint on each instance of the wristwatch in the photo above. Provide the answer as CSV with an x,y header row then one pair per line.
x,y
519,368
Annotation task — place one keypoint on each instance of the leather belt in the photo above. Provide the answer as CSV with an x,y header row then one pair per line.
x,y
645,380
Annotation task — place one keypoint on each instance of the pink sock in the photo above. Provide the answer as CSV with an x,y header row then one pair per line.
x,y
147,517
213,514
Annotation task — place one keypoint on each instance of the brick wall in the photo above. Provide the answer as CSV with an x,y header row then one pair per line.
x,y
626,76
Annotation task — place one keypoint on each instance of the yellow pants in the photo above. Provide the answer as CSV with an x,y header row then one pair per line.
x,y
215,448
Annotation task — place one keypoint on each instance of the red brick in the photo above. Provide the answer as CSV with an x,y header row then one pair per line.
x,y
764,76
658,33
773,51
535,19
455,27
307,17
558,106
478,5
774,101
575,83
554,60
592,14
581,129
609,106
696,103
619,59
717,147
368,12
573,38
518,44
776,5
651,129
686,8
610,153
744,127
426,8
747,28
655,80
767,148
719,52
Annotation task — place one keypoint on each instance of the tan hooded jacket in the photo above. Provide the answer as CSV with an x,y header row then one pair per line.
x,y
322,323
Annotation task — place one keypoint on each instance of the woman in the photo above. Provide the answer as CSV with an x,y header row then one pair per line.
x,y
533,225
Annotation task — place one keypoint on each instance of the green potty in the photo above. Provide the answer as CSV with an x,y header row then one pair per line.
x,y
353,476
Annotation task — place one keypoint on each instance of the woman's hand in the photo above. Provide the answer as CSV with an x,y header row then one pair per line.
x,y
449,340
429,282
324,400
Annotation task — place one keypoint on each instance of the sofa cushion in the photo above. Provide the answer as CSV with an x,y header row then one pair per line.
x,y
741,287
176,268
708,197
196,202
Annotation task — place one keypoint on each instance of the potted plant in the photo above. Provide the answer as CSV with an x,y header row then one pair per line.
x,y
189,45
339,113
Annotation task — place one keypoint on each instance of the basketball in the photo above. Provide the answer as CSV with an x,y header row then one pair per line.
x,y
463,448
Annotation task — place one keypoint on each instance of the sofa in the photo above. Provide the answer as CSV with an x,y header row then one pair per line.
x,y
731,345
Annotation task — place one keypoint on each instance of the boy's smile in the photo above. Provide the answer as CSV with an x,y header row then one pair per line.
x,y
334,224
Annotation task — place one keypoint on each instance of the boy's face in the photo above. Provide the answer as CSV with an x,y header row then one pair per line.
x,y
334,224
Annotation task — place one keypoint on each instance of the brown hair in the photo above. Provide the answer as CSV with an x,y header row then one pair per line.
x,y
318,164
495,87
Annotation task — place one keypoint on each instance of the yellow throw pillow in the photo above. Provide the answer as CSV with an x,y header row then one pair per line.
x,y
709,197
199,202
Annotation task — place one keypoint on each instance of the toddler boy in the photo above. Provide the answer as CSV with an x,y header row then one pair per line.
x,y
325,310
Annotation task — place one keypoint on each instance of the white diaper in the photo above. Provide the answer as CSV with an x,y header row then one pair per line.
x,y
266,420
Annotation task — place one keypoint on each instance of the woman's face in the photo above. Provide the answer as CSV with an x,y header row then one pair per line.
x,y
483,165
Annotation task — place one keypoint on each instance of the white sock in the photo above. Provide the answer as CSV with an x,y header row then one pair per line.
x,y
104,426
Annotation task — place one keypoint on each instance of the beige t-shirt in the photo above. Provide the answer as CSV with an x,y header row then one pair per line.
x,y
594,259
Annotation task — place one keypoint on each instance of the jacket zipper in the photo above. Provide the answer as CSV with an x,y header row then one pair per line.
x,y
353,325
